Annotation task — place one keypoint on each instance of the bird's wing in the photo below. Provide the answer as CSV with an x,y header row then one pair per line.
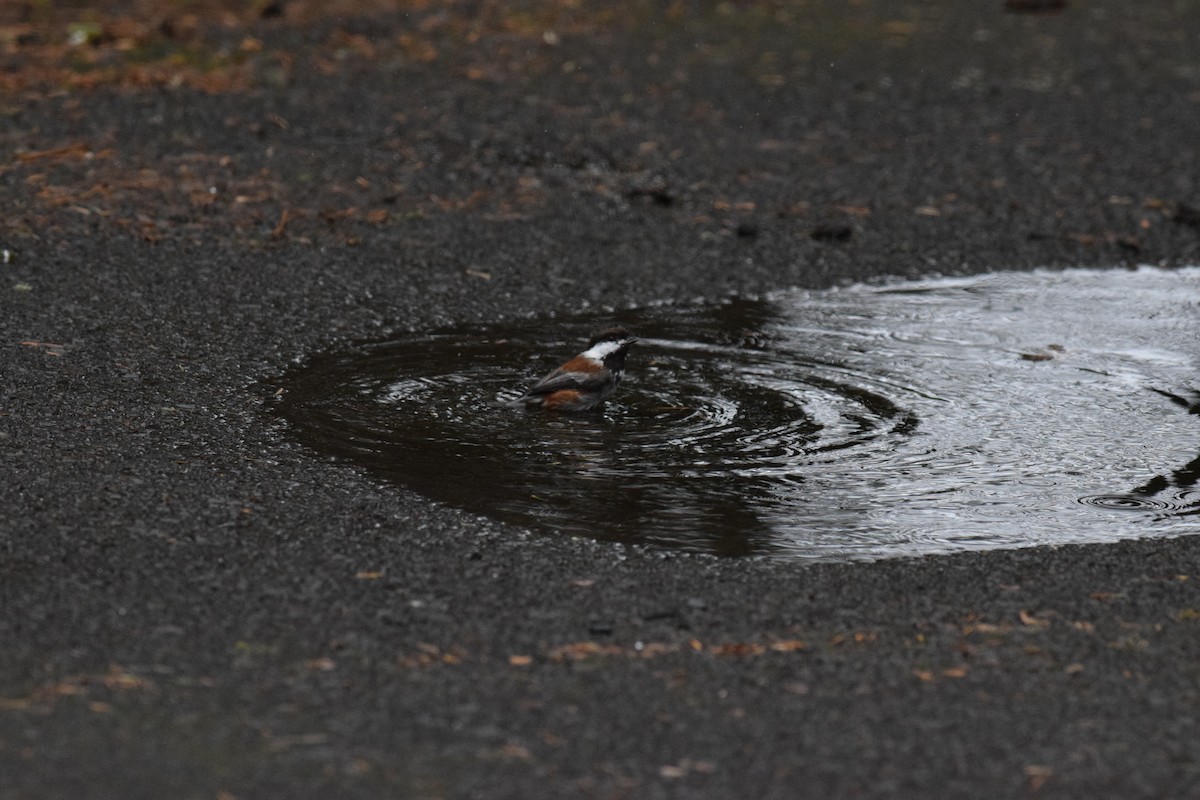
x,y
568,379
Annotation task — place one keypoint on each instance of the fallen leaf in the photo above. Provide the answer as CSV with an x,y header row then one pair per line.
x,y
686,765
576,651
118,678
74,150
513,750
281,226
1038,775
738,649
1031,620
47,347
654,649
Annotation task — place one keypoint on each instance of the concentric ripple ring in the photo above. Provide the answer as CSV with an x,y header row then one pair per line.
x,y
868,422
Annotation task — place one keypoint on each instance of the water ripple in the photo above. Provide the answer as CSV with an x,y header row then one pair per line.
x,y
995,411
1128,502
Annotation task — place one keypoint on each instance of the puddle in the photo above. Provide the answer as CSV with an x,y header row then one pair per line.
x,y
995,411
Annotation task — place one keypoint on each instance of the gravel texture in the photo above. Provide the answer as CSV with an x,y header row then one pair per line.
x,y
194,606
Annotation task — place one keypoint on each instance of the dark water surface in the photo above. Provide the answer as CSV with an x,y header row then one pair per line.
x,y
995,411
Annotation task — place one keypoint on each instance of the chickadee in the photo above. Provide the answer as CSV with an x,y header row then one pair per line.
x,y
588,379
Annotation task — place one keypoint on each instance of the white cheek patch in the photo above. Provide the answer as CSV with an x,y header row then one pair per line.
x,y
602,349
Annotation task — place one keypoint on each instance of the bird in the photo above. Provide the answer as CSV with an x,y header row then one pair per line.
x,y
588,379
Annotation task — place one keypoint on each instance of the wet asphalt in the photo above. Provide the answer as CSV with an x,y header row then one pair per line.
x,y
196,606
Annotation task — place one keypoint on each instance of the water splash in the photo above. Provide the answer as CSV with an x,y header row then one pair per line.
x,y
995,411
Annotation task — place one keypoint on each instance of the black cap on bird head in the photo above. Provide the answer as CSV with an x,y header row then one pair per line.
x,y
613,334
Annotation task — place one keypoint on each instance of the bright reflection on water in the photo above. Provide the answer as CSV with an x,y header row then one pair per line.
x,y
995,411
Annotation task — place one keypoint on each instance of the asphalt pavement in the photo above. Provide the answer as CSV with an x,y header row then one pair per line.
x,y
194,605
